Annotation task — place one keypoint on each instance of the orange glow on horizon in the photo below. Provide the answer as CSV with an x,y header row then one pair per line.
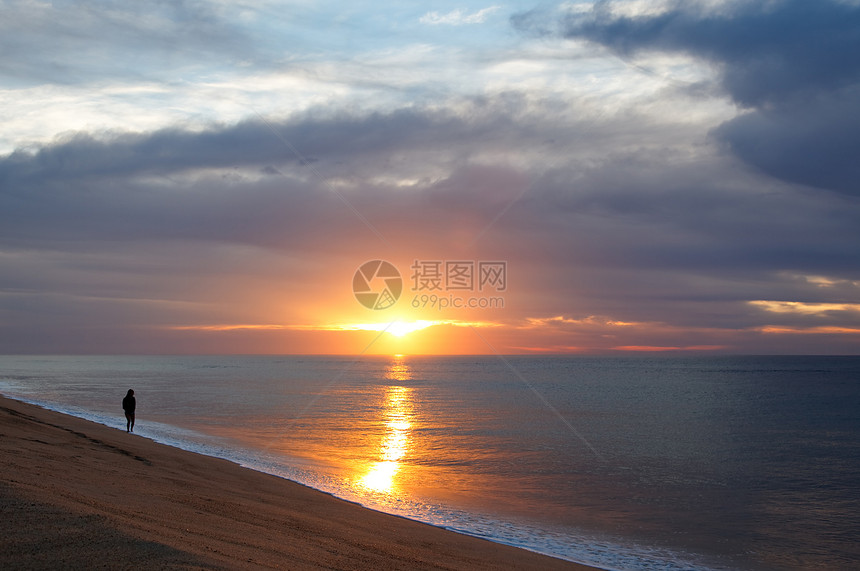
x,y
431,333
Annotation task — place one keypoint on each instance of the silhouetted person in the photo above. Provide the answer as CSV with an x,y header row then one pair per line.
x,y
128,405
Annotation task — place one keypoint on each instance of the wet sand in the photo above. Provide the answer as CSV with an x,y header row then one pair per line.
x,y
79,495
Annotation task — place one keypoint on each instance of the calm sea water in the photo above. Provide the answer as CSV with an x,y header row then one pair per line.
x,y
624,463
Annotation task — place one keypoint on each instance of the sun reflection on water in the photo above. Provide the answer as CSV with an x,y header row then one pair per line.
x,y
398,420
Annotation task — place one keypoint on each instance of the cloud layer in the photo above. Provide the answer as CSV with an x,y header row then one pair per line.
x,y
606,186
791,63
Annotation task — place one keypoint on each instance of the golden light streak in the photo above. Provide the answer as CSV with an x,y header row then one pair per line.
x,y
398,328
822,330
398,420
590,320
401,328
802,307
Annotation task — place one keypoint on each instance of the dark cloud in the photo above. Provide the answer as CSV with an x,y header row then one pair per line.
x,y
768,51
814,142
256,182
793,63
253,142
244,183
178,226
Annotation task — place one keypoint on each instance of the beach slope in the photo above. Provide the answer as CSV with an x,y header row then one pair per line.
x,y
76,494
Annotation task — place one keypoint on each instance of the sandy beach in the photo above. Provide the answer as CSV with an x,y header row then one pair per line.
x,y
76,494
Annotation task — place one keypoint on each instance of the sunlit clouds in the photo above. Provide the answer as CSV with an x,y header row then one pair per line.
x,y
805,308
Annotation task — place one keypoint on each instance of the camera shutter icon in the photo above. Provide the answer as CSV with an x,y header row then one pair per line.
x,y
377,284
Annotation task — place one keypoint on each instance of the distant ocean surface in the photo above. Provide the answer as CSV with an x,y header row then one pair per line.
x,y
748,463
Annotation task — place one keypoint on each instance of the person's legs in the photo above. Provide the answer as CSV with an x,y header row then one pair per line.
x,y
129,422
132,423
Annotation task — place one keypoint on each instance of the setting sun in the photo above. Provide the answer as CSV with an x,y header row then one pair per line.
x,y
396,328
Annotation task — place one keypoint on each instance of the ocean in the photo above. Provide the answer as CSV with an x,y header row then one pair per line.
x,y
711,463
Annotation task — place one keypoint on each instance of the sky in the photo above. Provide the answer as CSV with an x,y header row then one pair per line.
x,y
611,177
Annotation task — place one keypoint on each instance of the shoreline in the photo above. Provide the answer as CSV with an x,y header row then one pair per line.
x,y
78,492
